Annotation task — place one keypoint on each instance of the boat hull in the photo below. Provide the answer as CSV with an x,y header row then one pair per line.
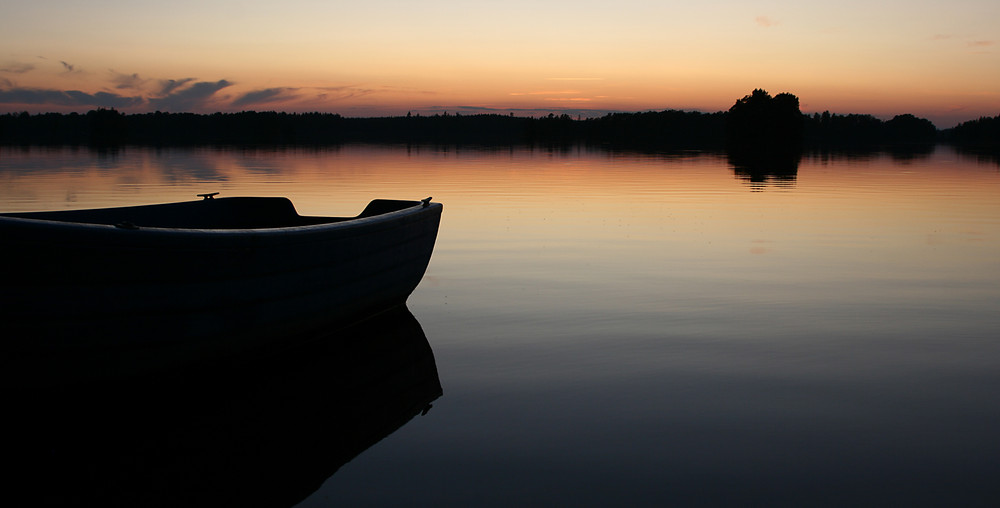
x,y
193,292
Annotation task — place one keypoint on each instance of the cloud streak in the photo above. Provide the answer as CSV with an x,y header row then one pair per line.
x,y
17,68
127,81
70,68
265,96
174,95
134,92
765,21
67,98
192,98
339,93
169,85
548,92
582,112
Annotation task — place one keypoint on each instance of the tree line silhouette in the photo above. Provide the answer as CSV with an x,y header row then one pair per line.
x,y
756,123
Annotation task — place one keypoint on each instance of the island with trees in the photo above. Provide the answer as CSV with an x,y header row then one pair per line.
x,y
756,124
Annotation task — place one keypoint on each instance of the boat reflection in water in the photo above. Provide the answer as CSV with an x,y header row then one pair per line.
x,y
252,432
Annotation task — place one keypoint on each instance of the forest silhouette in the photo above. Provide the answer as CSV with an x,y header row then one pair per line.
x,y
756,125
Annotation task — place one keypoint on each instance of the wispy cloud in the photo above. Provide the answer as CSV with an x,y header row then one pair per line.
x,y
67,98
765,21
126,81
192,98
17,67
169,85
337,93
264,96
548,92
481,109
977,43
402,89
558,110
70,68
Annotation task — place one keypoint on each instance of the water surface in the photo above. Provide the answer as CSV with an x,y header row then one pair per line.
x,y
652,329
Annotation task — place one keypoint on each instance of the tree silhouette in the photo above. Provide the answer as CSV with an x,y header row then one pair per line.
x,y
908,129
761,122
982,133
107,127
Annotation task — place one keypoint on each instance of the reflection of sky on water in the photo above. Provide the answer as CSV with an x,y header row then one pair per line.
x,y
687,437
621,328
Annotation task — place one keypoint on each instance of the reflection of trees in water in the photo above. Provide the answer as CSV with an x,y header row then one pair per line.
x,y
902,154
909,153
762,167
125,162
982,156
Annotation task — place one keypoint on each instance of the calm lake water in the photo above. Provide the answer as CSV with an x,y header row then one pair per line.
x,y
625,329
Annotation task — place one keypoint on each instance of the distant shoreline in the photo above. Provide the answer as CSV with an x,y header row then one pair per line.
x,y
668,129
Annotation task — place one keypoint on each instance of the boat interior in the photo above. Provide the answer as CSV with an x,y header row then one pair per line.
x,y
209,213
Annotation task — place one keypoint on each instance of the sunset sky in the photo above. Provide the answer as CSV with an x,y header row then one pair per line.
x,y
938,60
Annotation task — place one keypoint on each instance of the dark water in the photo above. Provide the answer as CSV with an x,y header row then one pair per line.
x,y
246,431
643,330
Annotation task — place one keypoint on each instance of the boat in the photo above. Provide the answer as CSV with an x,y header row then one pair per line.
x,y
202,278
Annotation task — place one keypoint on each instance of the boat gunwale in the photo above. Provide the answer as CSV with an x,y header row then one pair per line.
x,y
337,223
